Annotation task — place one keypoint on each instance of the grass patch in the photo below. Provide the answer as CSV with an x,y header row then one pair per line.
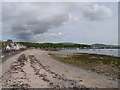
x,y
102,64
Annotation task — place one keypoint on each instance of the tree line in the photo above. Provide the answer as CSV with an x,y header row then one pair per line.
x,y
54,45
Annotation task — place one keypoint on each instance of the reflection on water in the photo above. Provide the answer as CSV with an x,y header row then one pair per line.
x,y
113,52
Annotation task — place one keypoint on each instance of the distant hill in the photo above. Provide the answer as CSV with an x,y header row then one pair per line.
x,y
98,45
106,46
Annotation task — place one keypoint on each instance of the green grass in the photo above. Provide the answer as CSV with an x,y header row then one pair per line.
x,y
102,64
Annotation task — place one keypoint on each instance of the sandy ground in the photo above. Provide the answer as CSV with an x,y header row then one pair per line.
x,y
39,70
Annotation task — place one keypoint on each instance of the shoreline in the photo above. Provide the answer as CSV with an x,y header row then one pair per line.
x,y
61,68
97,63
77,51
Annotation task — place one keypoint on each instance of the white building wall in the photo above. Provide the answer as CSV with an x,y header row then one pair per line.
x,y
8,47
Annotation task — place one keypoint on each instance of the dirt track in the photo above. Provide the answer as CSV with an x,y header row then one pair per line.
x,y
39,70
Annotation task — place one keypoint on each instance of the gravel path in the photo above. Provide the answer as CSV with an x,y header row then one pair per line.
x,y
39,70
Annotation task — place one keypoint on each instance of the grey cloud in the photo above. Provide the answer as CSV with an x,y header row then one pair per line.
x,y
31,28
97,12
26,21
0,20
46,37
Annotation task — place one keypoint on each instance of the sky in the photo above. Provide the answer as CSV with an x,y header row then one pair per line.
x,y
83,22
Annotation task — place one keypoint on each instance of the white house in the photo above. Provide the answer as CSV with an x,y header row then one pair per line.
x,y
8,47
11,45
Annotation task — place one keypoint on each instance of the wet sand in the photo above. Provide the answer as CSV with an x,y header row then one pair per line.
x,y
40,70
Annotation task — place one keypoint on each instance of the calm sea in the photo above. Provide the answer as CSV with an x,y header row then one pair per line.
x,y
112,52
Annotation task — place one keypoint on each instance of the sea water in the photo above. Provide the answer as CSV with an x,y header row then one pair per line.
x,y
112,52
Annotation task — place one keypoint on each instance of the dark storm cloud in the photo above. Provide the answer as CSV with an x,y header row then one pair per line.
x,y
25,20
31,27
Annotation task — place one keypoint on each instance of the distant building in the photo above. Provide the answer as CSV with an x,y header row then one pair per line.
x,y
8,47
9,44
